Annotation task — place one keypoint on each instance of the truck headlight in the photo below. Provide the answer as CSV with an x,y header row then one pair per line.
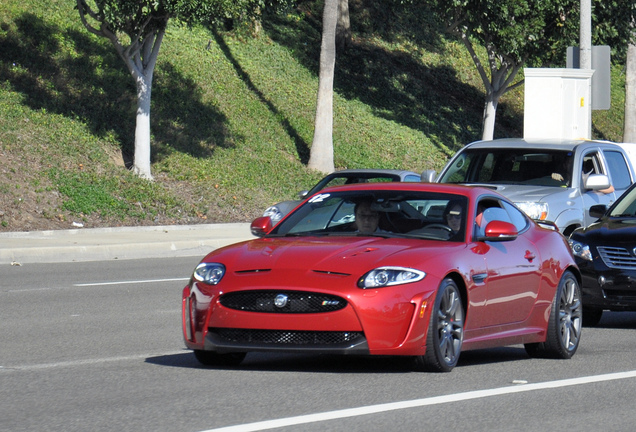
x,y
536,210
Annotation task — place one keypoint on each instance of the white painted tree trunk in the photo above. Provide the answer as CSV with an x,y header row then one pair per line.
x,y
490,113
629,131
141,161
321,155
141,63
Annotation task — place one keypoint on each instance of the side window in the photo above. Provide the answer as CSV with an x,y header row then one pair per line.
x,y
591,165
457,171
481,216
489,210
619,173
516,217
335,181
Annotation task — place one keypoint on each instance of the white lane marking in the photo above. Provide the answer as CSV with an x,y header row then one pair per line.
x,y
89,362
130,282
28,289
91,284
375,409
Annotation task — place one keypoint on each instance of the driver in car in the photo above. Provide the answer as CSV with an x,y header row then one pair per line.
x,y
453,217
367,219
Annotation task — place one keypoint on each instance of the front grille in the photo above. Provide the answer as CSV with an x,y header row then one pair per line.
x,y
617,257
282,301
286,337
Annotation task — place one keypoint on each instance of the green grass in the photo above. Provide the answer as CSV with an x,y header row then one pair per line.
x,y
232,114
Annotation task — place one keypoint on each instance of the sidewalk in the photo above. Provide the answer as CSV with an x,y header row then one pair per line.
x,y
96,244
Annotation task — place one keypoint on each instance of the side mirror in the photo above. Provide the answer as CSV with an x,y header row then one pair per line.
x,y
302,194
499,231
428,176
598,210
597,182
261,226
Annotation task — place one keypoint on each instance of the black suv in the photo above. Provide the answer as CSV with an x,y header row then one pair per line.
x,y
605,252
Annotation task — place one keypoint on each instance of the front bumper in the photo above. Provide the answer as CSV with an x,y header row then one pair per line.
x,y
225,340
612,289
381,322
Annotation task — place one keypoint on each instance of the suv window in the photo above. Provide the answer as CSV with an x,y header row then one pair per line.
x,y
511,166
412,178
618,167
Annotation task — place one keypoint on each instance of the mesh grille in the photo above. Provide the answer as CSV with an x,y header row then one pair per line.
x,y
282,302
617,257
286,337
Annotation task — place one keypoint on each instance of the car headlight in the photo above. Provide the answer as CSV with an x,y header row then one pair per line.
x,y
274,214
389,276
209,273
580,250
535,210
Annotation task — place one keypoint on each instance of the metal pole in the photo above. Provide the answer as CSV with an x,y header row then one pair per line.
x,y
585,44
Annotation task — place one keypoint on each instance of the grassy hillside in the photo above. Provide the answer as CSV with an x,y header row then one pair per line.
x,y
232,114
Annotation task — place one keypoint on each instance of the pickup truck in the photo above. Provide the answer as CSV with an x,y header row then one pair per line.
x,y
551,180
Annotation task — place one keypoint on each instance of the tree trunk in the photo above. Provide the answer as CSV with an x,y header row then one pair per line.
x,y
141,64
490,112
321,155
141,161
629,131
343,29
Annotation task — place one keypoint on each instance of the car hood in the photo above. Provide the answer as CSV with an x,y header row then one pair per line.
x,y
609,232
525,193
341,255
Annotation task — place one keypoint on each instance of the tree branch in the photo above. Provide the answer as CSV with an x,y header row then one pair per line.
x,y
473,55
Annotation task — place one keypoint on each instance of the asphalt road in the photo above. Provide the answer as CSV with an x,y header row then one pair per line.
x,y
97,346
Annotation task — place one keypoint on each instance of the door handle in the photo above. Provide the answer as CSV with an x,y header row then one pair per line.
x,y
529,256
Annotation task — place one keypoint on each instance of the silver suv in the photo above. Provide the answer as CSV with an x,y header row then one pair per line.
x,y
551,180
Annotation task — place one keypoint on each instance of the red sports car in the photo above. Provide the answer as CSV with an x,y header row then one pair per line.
x,y
404,269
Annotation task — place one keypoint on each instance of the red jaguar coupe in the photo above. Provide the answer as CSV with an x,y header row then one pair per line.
x,y
402,269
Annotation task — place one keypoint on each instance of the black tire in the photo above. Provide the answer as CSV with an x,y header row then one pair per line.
x,y
210,358
565,322
445,330
591,316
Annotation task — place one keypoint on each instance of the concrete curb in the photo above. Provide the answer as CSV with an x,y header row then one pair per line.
x,y
95,244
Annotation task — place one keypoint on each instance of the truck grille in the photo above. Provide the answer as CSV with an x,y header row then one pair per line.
x,y
271,301
617,257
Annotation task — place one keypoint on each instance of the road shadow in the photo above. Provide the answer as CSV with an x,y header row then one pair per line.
x,y
284,362
492,355
323,363
617,320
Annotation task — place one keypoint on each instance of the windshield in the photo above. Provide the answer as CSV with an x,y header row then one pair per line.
x,y
511,166
626,206
379,213
338,179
